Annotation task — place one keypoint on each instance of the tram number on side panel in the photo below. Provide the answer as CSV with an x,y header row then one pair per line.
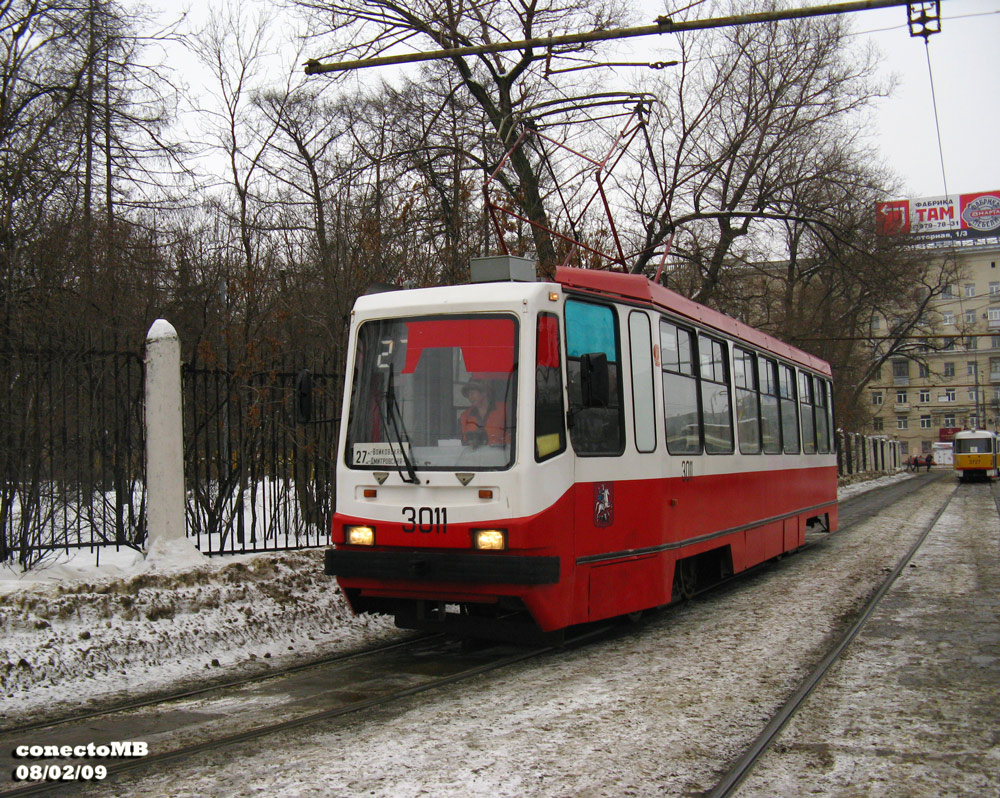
x,y
425,519
687,469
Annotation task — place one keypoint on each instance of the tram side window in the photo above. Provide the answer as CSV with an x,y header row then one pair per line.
x,y
807,401
550,429
770,413
789,410
747,400
716,406
822,416
592,358
680,390
643,405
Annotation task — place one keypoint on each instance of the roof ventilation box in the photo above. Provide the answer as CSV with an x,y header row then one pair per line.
x,y
502,269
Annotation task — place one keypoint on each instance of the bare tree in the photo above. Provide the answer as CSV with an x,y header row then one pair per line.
x,y
42,71
834,285
505,87
753,114
234,48
82,113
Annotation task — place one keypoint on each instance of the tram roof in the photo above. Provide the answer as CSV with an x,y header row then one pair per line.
x,y
641,290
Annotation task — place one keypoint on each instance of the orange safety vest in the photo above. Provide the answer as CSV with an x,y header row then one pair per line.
x,y
493,425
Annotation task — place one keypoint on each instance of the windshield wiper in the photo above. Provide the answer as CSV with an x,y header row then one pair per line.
x,y
402,438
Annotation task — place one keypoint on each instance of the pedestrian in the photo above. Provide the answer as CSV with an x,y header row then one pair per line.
x,y
929,461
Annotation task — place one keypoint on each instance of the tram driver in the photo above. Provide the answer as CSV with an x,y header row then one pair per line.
x,y
485,420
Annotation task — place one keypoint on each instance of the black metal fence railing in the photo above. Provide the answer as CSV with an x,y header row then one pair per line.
x,y
259,476
71,448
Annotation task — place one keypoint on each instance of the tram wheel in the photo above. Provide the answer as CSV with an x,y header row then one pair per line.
x,y
687,576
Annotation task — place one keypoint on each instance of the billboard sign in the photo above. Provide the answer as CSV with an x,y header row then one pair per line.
x,y
953,217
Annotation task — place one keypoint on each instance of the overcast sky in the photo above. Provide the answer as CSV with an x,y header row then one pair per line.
x,y
965,62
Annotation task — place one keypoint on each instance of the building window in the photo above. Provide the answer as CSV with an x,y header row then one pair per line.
x,y
925,396
900,397
900,368
949,369
972,343
949,421
947,317
993,314
925,422
923,370
877,398
974,422
970,317
970,289
995,288
973,395
971,368
948,292
949,345
877,425
995,342
902,422
876,323
949,395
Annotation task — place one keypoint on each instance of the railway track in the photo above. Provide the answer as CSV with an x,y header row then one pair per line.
x,y
730,782
391,673
158,698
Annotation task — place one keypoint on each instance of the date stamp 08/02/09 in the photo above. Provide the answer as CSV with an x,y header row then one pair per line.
x,y
54,771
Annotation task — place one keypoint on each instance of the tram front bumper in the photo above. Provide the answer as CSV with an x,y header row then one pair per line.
x,y
442,566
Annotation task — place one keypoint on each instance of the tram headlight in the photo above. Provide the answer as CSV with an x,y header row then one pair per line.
x,y
489,539
359,535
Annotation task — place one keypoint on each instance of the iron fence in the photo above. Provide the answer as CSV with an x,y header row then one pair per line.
x,y
259,473
71,447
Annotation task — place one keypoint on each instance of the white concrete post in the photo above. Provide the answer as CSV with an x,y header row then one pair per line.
x,y
164,437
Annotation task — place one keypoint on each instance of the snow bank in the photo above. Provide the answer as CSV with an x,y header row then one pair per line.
x,y
846,491
135,626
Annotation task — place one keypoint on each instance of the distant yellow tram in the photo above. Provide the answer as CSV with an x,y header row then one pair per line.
x,y
975,455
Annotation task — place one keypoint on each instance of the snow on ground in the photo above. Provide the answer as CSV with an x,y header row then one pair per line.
x,y
131,626
658,710
913,703
75,632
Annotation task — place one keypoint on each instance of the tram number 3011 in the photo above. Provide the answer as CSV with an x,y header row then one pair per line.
x,y
425,519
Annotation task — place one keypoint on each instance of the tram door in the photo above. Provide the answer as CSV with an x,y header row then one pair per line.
x,y
594,345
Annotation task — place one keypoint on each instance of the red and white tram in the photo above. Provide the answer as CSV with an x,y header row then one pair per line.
x,y
564,452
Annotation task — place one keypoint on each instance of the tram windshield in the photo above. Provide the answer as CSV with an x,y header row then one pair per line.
x,y
982,444
434,393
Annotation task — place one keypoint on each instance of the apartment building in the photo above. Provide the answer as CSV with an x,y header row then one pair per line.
x,y
954,382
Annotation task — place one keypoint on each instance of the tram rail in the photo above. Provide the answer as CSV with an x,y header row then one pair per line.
x,y
729,783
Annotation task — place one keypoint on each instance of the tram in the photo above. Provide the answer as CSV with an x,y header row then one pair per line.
x,y
975,455
520,456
